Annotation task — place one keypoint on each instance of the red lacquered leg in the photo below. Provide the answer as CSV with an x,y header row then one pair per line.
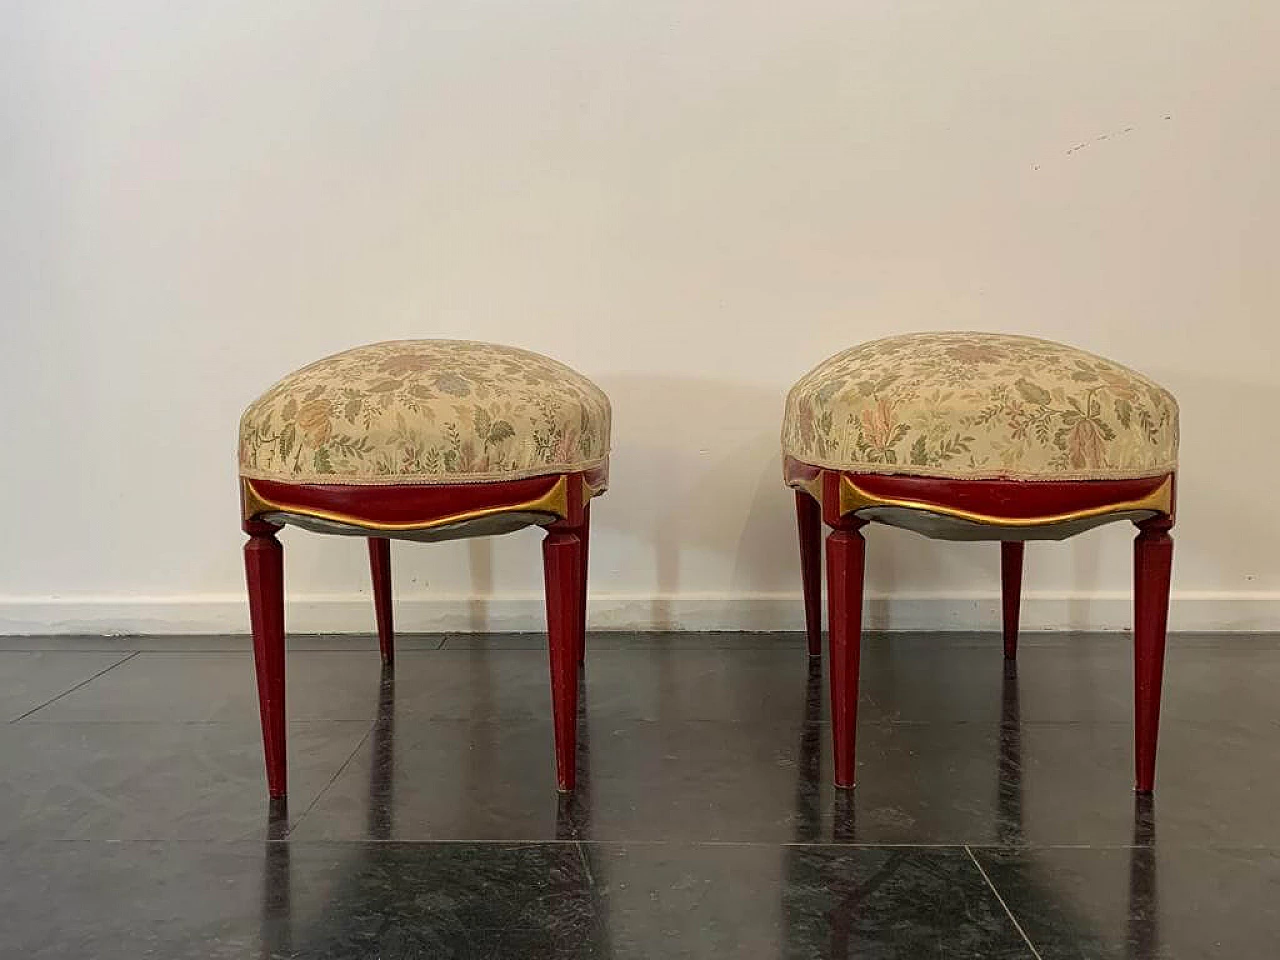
x,y
561,559
1152,564
380,568
846,552
264,573
584,534
809,523
1011,593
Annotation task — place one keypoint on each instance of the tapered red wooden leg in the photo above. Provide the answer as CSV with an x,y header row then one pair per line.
x,y
846,553
809,523
562,564
380,569
264,573
1011,593
584,534
1152,565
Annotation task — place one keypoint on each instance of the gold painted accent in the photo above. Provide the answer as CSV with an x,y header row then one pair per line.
x,y
588,491
555,501
813,487
854,498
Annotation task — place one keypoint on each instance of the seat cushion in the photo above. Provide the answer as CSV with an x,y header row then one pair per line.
x,y
980,405
425,412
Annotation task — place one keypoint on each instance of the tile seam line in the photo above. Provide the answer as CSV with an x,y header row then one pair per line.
x,y
392,841
332,780
642,842
162,721
252,845
72,690
241,841
582,842
1009,913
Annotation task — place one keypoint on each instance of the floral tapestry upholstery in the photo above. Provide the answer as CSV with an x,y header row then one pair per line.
x,y
980,406
425,412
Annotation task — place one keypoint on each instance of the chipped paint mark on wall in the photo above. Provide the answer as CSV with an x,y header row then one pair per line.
x,y
1113,135
1105,136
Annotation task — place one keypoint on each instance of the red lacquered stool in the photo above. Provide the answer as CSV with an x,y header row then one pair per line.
x,y
424,440
975,436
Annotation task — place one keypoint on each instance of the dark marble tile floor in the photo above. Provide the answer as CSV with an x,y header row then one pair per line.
x,y
994,815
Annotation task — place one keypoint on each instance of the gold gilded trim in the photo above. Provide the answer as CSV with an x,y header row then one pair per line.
x,y
555,501
793,472
812,487
853,498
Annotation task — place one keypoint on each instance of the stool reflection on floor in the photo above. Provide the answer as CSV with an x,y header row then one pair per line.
x,y
971,436
424,440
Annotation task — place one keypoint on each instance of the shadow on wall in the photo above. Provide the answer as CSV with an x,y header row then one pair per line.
x,y
697,480
697,506
480,562
1223,550
1226,445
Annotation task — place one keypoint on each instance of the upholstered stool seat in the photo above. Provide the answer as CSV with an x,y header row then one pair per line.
x,y
980,406
424,440
976,436
425,412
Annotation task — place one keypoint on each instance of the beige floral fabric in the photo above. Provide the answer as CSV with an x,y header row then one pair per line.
x,y
425,411
980,405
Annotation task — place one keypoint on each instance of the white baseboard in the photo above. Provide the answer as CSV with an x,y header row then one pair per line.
x,y
1242,611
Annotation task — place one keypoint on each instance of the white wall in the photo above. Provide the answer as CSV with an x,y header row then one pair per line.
x,y
691,203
